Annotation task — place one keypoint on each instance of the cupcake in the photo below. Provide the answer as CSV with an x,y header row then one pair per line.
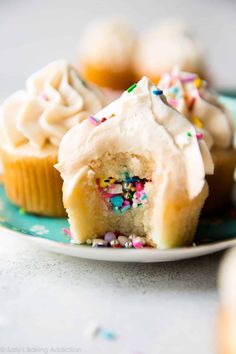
x,y
166,46
33,122
227,314
189,95
106,54
135,167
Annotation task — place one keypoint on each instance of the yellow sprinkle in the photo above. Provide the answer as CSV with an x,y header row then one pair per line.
x,y
104,182
197,122
198,82
112,180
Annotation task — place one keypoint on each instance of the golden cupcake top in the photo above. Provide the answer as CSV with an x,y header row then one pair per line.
x,y
54,100
109,44
187,93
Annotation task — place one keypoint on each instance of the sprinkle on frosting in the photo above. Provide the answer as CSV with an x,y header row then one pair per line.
x,y
95,121
131,88
188,94
157,92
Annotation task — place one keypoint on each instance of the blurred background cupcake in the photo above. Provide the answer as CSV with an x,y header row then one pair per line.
x,y
105,53
33,122
165,46
190,95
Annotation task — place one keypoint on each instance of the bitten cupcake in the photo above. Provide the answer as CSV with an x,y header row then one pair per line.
x,y
227,314
135,167
106,54
166,46
189,95
33,122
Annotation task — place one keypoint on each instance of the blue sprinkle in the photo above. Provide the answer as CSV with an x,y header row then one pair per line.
x,y
117,201
174,89
108,335
157,92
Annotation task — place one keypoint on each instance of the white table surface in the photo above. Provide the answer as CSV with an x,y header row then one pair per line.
x,y
48,302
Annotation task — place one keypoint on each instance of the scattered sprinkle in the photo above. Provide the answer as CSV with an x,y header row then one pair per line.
x,y
157,92
198,82
22,211
108,335
189,78
131,88
95,121
199,136
67,232
189,134
197,122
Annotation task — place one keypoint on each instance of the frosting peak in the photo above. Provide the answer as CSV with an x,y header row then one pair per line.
x,y
140,122
189,95
55,99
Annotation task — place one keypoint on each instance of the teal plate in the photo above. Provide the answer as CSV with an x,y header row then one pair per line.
x,y
213,234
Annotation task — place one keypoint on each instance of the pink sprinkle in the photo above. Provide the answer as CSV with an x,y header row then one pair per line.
x,y
188,79
137,244
173,102
126,202
199,136
139,186
138,195
66,231
94,120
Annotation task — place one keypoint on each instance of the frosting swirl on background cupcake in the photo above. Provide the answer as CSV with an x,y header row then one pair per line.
x,y
187,93
55,99
163,46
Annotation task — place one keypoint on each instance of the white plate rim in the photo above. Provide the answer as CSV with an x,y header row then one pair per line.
x,y
145,255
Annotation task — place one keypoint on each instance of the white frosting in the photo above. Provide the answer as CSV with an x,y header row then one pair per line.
x,y
206,112
227,282
144,124
55,99
163,47
109,44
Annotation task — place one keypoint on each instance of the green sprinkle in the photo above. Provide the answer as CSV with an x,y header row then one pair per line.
x,y
131,88
189,134
21,211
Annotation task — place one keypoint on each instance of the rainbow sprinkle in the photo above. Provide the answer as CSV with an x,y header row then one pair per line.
x,y
157,92
122,195
95,121
131,88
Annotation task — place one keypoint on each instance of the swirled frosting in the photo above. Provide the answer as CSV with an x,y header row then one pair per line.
x,y
55,99
189,95
109,44
168,45
140,122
